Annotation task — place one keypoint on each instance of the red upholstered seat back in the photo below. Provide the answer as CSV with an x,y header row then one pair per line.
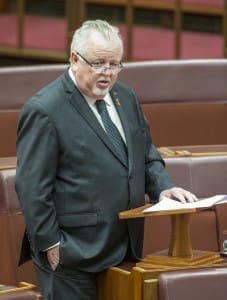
x,y
11,231
198,284
185,101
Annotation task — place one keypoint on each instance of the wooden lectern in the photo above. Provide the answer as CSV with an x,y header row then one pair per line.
x,y
180,251
140,282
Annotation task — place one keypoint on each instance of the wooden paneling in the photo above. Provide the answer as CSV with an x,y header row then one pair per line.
x,y
77,11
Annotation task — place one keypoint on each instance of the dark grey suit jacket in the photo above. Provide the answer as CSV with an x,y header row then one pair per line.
x,y
72,184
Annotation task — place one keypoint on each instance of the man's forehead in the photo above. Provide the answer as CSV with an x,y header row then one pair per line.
x,y
99,47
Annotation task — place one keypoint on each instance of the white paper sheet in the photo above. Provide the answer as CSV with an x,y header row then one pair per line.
x,y
169,204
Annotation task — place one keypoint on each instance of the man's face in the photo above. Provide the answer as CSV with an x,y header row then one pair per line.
x,y
96,83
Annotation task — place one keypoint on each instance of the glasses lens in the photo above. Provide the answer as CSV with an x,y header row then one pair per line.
x,y
113,68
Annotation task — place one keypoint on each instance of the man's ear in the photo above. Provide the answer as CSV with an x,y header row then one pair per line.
x,y
74,57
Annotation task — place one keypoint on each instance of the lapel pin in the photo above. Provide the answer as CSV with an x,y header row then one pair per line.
x,y
116,99
118,102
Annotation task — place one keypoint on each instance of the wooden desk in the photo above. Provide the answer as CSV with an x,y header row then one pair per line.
x,y
8,163
136,283
193,151
23,291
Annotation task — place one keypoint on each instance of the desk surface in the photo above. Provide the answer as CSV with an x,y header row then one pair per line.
x,y
138,212
193,151
8,163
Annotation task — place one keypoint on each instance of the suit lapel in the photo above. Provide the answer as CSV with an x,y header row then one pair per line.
x,y
79,103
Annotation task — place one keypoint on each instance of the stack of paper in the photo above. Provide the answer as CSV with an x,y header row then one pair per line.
x,y
169,204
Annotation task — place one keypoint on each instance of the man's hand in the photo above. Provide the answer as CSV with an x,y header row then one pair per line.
x,y
53,257
178,194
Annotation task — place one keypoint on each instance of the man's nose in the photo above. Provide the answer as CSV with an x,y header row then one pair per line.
x,y
106,68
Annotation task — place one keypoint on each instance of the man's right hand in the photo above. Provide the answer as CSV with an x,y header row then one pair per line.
x,y
53,257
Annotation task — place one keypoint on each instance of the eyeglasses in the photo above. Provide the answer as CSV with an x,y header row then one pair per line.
x,y
100,67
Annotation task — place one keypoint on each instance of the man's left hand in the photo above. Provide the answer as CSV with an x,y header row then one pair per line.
x,y
178,194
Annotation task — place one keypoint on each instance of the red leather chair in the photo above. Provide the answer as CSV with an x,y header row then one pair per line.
x,y
197,284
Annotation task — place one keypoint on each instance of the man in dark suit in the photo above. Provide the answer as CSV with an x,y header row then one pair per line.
x,y
81,163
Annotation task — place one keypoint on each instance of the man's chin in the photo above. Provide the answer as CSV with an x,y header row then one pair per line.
x,y
100,93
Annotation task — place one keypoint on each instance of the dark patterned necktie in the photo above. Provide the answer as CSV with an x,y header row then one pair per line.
x,y
112,131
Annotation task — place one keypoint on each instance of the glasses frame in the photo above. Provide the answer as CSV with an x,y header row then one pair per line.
x,y
100,69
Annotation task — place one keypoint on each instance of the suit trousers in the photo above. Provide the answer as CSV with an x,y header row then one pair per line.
x,y
64,283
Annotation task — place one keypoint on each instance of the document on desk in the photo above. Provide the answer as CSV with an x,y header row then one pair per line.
x,y
169,204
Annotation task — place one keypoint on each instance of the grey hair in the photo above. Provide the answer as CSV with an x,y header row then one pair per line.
x,y
81,35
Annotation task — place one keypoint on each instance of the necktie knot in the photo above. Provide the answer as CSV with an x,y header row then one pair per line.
x,y
100,104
